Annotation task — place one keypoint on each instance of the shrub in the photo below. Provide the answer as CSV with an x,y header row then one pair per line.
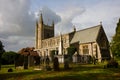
x,y
10,70
112,64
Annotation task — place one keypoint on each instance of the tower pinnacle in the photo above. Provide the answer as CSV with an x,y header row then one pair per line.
x,y
74,28
53,23
41,18
100,22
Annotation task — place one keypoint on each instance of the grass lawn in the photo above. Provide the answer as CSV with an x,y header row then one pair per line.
x,y
77,72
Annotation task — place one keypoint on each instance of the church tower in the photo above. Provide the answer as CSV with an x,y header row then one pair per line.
x,y
36,35
39,32
43,31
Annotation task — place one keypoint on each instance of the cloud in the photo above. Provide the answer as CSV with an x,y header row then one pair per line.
x,y
67,15
16,24
15,43
102,11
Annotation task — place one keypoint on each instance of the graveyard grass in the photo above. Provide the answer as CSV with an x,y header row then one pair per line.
x,y
77,72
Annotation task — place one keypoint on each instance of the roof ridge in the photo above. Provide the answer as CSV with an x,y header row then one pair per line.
x,y
89,28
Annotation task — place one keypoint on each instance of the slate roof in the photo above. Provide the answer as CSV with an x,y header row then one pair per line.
x,y
86,35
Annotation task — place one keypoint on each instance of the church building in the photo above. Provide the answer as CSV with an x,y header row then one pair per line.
x,y
90,41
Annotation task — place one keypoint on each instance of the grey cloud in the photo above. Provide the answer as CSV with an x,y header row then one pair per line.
x,y
15,43
16,24
66,25
15,18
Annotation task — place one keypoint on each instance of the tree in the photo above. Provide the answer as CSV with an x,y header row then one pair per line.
x,y
71,50
1,52
9,57
115,44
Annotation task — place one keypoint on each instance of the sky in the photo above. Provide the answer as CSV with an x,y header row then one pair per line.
x,y
18,18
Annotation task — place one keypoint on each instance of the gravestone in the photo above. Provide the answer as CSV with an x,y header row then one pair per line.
x,y
55,64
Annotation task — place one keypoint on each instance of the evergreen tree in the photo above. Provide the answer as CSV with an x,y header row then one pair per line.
x,y
115,44
1,52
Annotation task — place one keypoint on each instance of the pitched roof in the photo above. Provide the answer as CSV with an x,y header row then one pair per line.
x,y
86,35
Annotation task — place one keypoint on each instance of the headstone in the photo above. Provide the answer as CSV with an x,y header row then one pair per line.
x,y
66,64
56,64
25,62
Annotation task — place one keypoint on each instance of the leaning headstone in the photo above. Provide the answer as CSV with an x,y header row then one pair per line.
x,y
55,64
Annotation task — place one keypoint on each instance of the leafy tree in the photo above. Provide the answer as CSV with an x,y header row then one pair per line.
x,y
115,44
1,52
8,57
71,50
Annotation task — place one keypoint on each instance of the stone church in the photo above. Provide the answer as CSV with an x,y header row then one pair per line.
x,y
90,41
